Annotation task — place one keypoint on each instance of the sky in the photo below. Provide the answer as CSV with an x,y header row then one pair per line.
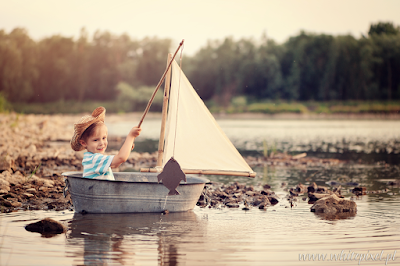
x,y
196,21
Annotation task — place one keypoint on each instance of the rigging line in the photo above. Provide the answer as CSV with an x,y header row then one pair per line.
x,y
177,102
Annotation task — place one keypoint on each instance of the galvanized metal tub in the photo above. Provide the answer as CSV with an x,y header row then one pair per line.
x,y
131,192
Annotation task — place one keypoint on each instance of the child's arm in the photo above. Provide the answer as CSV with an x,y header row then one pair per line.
x,y
125,150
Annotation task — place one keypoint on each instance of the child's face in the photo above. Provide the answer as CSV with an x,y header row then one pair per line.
x,y
97,142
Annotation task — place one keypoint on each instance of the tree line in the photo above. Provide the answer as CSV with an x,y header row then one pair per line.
x,y
308,66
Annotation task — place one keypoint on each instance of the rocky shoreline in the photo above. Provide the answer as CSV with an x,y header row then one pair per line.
x,y
35,151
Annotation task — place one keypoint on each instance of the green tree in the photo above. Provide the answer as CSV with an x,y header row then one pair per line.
x,y
55,69
386,69
305,66
79,81
18,70
202,70
383,28
151,55
261,74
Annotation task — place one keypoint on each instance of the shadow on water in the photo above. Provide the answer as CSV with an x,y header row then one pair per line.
x,y
119,238
336,216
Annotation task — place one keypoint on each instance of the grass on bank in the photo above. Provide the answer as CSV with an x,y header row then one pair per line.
x,y
130,101
242,105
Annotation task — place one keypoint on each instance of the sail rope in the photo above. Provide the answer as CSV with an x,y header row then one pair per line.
x,y
177,102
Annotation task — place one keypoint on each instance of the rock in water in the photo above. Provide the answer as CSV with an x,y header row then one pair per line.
x,y
332,204
171,176
46,226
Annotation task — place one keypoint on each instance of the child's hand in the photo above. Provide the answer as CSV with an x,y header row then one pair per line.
x,y
135,131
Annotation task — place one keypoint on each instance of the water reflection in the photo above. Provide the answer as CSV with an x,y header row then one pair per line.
x,y
119,238
336,216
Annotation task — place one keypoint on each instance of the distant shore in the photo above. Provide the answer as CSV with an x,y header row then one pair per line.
x,y
310,116
256,116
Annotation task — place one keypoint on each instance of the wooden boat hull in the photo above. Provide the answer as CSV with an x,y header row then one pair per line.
x,y
131,192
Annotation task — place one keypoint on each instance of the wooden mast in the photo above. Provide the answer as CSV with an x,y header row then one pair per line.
x,y
164,113
158,86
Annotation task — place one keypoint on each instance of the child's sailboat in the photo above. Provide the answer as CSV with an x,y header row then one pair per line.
x,y
192,136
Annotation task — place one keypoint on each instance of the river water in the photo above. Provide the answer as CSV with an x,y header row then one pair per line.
x,y
279,235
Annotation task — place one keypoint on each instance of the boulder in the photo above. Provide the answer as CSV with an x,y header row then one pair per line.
x,y
332,204
46,226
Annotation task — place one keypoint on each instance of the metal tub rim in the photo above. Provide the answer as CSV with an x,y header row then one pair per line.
x,y
190,179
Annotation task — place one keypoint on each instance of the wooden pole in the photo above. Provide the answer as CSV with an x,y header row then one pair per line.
x,y
205,172
164,113
158,85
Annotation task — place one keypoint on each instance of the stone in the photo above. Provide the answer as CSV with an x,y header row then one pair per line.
x,y
46,226
6,163
300,188
273,200
312,188
250,193
232,205
31,149
322,189
358,191
4,186
15,204
266,186
44,189
16,179
316,196
293,193
31,190
250,188
48,183
262,203
332,204
5,203
266,192
338,191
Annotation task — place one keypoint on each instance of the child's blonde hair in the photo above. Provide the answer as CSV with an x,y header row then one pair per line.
x,y
90,131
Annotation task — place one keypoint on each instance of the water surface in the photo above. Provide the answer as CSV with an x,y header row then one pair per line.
x,y
276,236
206,236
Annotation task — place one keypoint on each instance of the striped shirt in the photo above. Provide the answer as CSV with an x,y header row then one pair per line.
x,y
97,165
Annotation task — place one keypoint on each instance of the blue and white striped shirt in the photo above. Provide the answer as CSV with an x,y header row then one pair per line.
x,y
97,165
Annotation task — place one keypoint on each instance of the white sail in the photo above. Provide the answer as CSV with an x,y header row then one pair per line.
x,y
193,137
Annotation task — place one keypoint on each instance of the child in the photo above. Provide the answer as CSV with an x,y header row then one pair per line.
x,y
90,133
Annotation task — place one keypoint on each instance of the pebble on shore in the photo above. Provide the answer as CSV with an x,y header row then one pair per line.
x,y
219,195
